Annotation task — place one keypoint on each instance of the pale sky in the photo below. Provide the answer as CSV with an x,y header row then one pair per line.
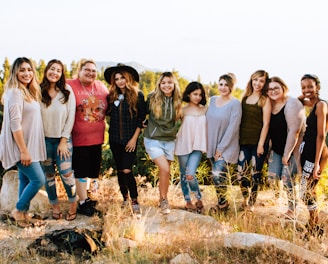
x,y
203,38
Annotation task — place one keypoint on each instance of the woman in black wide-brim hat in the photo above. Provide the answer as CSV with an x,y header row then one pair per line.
x,y
127,111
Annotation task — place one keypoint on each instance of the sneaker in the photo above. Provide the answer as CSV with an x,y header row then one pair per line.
x,y
136,208
164,206
125,204
87,208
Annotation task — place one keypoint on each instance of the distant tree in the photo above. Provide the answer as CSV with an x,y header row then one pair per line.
x,y
40,69
213,89
4,74
67,72
237,92
147,82
73,70
101,75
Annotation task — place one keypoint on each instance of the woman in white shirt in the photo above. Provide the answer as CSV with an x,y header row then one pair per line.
x,y
58,114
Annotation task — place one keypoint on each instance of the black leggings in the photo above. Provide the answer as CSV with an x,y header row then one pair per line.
x,y
125,160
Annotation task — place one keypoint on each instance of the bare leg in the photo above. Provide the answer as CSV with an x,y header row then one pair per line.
x,y
164,175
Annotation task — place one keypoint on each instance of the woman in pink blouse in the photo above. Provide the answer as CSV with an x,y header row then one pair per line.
x,y
191,142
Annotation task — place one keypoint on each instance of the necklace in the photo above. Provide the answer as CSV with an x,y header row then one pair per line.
x,y
91,94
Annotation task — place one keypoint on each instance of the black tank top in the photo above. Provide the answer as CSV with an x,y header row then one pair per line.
x,y
278,131
310,136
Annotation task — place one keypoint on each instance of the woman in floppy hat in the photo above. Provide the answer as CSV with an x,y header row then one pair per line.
x,y
127,112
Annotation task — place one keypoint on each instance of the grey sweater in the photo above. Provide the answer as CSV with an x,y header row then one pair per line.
x,y
223,129
295,118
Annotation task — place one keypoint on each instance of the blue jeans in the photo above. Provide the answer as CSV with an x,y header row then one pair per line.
x,y
31,179
64,167
248,160
278,171
188,166
220,176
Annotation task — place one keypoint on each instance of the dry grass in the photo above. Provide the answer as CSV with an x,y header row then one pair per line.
x,y
126,241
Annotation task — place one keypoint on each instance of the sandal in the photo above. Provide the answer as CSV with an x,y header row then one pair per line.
x,y
22,223
199,207
70,216
190,207
57,216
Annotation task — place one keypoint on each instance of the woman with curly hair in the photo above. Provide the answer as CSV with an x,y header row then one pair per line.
x,y
127,112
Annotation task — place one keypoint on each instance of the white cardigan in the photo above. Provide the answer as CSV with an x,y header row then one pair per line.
x,y
21,115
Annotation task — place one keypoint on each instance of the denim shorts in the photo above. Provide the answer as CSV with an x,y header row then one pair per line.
x,y
156,148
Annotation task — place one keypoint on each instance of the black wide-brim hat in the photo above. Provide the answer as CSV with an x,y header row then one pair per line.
x,y
120,68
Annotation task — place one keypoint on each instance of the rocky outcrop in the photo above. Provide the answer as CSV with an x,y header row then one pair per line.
x,y
9,195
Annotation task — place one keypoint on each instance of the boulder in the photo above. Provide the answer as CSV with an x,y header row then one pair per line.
x,y
249,240
9,195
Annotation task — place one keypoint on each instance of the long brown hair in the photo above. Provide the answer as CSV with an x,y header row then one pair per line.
x,y
61,84
131,91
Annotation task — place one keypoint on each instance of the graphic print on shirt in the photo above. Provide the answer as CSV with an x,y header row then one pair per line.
x,y
91,109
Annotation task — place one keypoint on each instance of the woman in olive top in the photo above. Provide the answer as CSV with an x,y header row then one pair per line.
x,y
256,112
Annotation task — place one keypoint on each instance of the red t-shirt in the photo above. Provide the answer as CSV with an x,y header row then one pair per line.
x,y
91,106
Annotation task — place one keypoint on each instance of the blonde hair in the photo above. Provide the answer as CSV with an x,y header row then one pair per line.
x,y
32,91
249,88
157,98
83,62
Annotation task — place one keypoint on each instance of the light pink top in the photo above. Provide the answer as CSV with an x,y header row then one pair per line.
x,y
25,116
191,135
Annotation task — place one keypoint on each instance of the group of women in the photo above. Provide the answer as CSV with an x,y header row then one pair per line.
x,y
266,123
70,116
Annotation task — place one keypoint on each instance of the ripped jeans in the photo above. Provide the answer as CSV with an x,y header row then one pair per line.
x,y
220,176
278,171
64,168
188,167
248,160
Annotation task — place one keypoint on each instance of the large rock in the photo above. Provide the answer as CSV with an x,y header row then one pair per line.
x,y
249,240
9,195
176,226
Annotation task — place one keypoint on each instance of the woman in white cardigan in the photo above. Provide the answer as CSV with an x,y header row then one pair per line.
x,y
22,137
58,114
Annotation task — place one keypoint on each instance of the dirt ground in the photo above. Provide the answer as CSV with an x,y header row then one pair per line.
x,y
268,209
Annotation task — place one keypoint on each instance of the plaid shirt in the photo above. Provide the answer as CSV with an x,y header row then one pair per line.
x,y
121,125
